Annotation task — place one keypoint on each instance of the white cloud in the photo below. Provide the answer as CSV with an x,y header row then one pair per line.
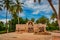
x,y
21,14
4,20
29,3
44,7
36,12
53,20
37,8
56,7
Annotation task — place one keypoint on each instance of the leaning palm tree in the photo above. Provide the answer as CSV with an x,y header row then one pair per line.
x,y
7,4
57,14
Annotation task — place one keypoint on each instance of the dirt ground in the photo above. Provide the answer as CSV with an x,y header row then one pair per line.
x,y
27,36
56,38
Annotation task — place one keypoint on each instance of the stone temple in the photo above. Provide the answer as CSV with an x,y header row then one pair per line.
x,y
30,27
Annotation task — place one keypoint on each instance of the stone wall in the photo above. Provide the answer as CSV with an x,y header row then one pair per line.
x,y
35,28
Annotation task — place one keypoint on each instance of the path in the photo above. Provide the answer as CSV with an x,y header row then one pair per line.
x,y
28,36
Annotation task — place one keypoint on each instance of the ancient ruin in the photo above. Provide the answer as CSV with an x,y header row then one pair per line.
x,y
30,27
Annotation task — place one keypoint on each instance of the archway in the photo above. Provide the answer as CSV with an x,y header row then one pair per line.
x,y
30,27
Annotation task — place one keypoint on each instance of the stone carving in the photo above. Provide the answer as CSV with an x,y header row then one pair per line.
x,y
30,26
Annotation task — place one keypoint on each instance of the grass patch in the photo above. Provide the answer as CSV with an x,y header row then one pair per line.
x,y
2,32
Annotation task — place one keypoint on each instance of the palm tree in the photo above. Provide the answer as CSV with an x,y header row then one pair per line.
x,y
13,11
19,8
16,9
57,14
7,4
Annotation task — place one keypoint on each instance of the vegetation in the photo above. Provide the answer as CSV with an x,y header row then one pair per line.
x,y
32,19
2,28
12,24
10,7
42,20
52,26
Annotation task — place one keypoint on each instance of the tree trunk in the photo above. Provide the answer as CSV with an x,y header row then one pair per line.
x,y
6,23
59,23
59,15
50,2
18,18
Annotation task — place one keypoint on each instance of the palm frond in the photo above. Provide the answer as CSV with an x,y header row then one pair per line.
x,y
0,9
53,16
19,7
34,1
1,4
7,3
39,1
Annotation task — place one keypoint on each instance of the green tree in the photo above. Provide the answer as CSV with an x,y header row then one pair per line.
x,y
19,8
42,20
21,20
1,26
7,4
26,20
16,9
13,12
53,16
32,19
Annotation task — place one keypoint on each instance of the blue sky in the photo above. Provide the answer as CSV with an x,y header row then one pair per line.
x,y
33,10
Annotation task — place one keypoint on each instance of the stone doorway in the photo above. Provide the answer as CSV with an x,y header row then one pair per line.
x,y
30,27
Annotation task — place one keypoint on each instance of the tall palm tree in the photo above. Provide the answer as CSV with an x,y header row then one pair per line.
x,y
57,14
13,11
7,4
19,8
16,9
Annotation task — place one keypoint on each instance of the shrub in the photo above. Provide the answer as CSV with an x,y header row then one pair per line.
x,y
51,28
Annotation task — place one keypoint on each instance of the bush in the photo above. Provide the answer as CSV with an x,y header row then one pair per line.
x,y
4,31
52,28
2,28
